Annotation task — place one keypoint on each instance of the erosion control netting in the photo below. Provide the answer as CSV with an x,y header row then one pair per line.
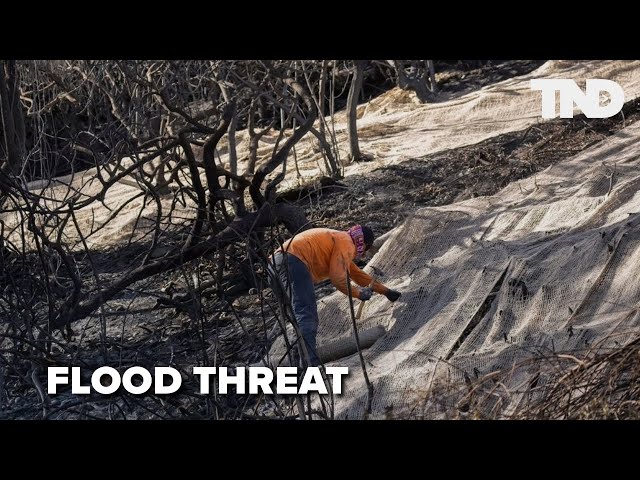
x,y
547,265
395,126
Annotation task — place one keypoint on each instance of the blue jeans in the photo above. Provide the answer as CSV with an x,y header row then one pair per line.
x,y
298,287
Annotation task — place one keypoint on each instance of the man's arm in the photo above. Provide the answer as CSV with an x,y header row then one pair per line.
x,y
364,280
338,273
341,260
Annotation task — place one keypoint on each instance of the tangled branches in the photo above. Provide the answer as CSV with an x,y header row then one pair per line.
x,y
156,206
603,387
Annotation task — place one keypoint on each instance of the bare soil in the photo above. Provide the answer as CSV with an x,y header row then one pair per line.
x,y
465,76
454,175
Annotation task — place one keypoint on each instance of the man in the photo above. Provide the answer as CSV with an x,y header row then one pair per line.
x,y
315,255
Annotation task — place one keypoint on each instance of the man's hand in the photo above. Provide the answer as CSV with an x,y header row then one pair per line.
x,y
365,293
393,295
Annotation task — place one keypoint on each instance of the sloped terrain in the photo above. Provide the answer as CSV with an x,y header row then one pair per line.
x,y
453,175
546,265
394,127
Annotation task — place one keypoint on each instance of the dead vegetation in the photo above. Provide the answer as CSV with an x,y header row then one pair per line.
x,y
68,300
211,305
594,384
604,386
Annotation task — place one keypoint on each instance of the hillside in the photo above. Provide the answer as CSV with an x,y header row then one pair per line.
x,y
512,240
546,266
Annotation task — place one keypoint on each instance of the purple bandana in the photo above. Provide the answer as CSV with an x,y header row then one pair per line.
x,y
358,239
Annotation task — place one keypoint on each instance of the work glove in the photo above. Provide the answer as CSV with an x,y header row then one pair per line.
x,y
392,295
365,293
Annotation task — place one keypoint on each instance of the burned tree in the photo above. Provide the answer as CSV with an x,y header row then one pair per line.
x,y
352,106
151,133
12,122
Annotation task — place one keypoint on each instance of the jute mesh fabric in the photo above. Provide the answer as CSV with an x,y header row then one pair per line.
x,y
549,264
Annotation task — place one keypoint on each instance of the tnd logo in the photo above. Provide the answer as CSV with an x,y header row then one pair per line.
x,y
570,93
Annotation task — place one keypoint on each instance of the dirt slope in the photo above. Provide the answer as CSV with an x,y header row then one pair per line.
x,y
546,265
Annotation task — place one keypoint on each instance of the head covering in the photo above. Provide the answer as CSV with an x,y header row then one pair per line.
x,y
369,237
357,236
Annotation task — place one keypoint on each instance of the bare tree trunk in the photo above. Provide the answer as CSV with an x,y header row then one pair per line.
x,y
12,120
295,155
432,77
157,124
332,110
322,94
233,155
335,171
352,105
254,140
326,149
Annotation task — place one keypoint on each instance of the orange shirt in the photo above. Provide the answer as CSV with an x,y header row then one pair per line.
x,y
328,253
